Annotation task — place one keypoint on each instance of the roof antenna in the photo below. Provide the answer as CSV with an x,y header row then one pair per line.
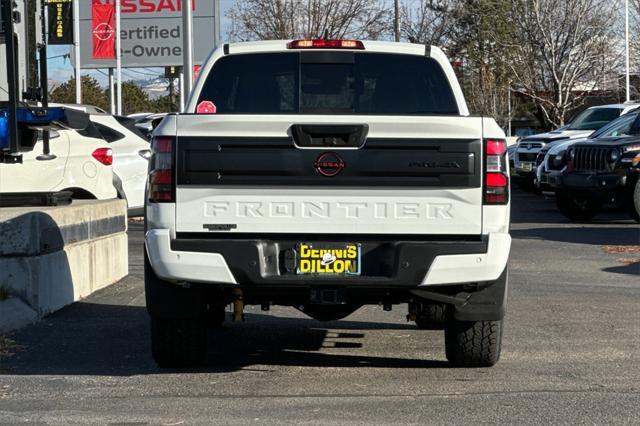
x,y
325,34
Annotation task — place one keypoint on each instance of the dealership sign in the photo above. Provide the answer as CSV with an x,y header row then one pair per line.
x,y
150,33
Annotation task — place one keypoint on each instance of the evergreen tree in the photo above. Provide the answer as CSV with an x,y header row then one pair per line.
x,y
92,93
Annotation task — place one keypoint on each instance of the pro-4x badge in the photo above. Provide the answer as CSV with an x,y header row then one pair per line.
x,y
329,164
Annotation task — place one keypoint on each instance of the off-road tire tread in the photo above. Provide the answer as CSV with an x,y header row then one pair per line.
x,y
473,343
178,342
635,208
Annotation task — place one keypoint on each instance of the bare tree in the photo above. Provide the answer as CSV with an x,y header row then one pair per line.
x,y
430,22
284,19
560,52
487,91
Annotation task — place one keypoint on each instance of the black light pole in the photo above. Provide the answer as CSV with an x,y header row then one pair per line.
x,y
44,81
12,83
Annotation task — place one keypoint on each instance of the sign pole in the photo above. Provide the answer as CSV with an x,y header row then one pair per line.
x,y
76,46
509,108
112,98
187,46
216,17
44,80
626,34
118,61
181,83
12,80
396,20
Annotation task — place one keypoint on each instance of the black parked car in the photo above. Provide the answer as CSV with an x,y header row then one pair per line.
x,y
604,170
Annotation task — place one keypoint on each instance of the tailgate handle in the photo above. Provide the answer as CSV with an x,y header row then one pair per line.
x,y
332,136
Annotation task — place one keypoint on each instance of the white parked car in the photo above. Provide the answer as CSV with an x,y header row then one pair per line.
x,y
131,152
81,165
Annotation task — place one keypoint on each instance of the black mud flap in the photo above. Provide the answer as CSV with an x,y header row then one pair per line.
x,y
488,304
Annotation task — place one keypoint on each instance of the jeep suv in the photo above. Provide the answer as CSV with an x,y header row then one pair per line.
x,y
602,171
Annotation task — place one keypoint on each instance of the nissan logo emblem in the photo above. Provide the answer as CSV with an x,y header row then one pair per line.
x,y
329,164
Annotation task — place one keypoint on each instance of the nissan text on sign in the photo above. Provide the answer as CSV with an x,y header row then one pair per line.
x,y
151,33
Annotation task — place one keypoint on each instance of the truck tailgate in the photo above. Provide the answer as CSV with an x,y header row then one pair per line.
x,y
246,174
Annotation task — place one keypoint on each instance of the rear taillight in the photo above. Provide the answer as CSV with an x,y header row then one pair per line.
x,y
496,180
161,176
103,155
325,44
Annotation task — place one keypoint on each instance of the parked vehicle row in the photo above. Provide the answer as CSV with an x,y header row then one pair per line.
x,y
589,172
586,123
107,159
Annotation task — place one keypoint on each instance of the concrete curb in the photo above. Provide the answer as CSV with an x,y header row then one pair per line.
x,y
52,257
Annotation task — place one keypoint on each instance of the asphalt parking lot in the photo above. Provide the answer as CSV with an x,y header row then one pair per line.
x,y
571,351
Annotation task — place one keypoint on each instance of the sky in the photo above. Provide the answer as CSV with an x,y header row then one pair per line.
x,y
61,69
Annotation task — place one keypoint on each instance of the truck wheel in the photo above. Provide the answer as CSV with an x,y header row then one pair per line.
x,y
576,207
178,342
635,203
430,316
473,343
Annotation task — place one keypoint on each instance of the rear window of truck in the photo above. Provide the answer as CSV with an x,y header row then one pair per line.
x,y
328,82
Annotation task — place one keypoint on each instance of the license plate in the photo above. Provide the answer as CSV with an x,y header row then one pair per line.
x,y
328,258
527,167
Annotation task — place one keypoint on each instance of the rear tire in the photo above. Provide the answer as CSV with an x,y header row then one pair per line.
x,y
635,203
473,343
178,342
576,207
430,316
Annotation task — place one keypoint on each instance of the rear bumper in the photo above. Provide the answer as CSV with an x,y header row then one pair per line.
x,y
387,263
176,265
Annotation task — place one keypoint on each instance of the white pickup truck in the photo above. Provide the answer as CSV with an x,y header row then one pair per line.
x,y
326,175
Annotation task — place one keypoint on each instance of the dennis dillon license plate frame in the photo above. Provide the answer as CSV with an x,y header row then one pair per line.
x,y
329,259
